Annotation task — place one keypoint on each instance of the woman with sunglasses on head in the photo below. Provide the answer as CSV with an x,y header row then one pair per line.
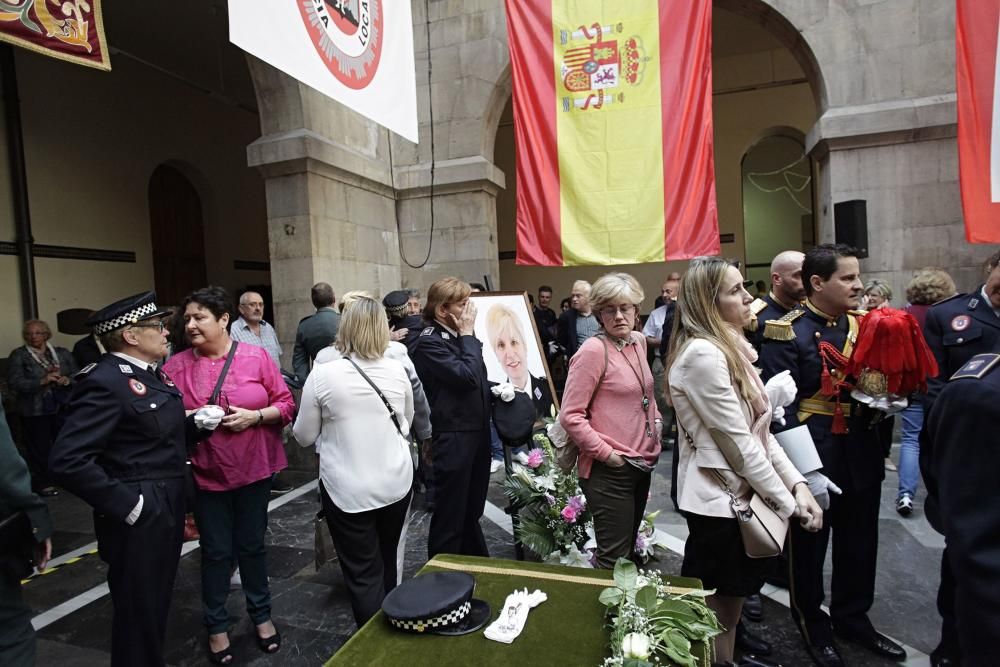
x,y
609,412
723,419
234,467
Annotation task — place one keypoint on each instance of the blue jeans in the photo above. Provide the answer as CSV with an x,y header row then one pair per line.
x,y
909,453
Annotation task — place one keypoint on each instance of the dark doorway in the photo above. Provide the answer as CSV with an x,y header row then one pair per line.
x,y
177,234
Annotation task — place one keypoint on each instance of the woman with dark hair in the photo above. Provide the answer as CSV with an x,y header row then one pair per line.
x,y
234,467
40,374
725,446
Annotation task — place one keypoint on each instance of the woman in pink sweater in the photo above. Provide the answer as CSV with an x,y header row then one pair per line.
x,y
609,412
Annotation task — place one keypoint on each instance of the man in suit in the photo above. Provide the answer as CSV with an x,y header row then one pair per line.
x,y
123,451
578,323
17,637
811,344
965,465
956,330
315,331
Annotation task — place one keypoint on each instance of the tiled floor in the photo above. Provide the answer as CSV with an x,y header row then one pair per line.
x,y
312,612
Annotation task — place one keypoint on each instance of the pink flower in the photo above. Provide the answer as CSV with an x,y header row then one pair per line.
x,y
535,458
578,503
569,514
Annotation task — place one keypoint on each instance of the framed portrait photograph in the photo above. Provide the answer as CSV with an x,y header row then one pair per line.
x,y
512,349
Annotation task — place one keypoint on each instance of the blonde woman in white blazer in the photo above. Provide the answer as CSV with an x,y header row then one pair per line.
x,y
723,417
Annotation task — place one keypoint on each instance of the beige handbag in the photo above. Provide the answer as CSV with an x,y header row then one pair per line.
x,y
762,530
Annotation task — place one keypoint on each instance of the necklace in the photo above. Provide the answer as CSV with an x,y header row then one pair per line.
x,y
640,376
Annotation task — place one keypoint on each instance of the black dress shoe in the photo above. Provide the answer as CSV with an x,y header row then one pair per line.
x,y
748,642
753,608
825,656
879,644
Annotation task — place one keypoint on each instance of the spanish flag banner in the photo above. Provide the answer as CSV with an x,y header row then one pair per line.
x,y
613,130
977,79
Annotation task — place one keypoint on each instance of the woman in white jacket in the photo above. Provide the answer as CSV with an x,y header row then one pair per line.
x,y
365,468
723,418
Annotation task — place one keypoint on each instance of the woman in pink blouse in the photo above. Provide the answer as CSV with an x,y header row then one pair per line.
x,y
233,468
609,412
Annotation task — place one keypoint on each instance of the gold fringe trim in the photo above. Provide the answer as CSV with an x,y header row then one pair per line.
x,y
781,329
550,576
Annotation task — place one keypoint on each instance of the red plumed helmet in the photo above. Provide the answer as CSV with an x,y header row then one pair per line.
x,y
891,355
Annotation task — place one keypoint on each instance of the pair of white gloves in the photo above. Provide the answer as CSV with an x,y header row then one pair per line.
x,y
781,391
208,417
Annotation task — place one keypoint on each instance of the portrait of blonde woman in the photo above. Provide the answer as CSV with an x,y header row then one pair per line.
x,y
507,339
723,419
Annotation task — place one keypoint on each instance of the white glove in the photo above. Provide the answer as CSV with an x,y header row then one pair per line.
x,y
778,414
821,487
780,389
208,417
553,348
504,391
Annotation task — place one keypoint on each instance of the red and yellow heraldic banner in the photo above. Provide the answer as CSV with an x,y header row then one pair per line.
x,y
613,130
978,85
70,30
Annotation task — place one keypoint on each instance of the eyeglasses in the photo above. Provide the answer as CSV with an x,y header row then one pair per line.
x,y
626,309
157,325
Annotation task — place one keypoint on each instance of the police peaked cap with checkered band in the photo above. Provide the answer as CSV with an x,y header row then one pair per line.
x,y
438,603
129,310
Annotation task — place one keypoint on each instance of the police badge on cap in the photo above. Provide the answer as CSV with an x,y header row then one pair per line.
x,y
129,310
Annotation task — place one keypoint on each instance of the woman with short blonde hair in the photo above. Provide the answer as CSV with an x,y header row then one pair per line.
x,y
357,410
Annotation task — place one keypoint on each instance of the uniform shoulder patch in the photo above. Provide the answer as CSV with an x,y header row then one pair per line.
x,y
86,369
781,329
427,332
757,306
977,367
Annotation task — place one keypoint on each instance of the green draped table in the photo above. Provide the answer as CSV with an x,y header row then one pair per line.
x,y
567,629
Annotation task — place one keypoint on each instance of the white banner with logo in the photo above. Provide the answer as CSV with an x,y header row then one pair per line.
x,y
358,52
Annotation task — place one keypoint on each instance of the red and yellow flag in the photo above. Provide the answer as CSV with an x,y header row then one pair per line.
x,y
613,130
977,55
72,30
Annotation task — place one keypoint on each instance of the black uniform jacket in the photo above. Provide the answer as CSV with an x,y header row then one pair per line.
x,y
956,329
963,426
123,425
853,460
772,311
454,377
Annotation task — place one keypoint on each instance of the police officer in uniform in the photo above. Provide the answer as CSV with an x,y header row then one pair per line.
x,y
956,330
812,344
966,465
449,361
123,451
785,296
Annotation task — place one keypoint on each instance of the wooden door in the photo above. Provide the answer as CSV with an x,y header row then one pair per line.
x,y
178,235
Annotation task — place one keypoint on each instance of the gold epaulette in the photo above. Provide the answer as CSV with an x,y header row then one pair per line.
x,y
781,329
755,308
857,313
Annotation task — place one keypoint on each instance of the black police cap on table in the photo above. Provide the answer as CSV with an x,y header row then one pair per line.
x,y
130,310
395,302
438,603
514,420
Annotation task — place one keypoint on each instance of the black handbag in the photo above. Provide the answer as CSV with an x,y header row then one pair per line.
x,y
17,546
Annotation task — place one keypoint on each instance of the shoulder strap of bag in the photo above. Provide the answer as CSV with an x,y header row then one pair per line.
x,y
603,373
214,398
385,401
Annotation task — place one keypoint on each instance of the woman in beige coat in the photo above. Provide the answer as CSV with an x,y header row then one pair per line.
x,y
723,419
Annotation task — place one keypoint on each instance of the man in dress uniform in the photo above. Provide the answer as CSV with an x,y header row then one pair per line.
x,y
814,344
449,360
956,330
123,451
786,294
966,465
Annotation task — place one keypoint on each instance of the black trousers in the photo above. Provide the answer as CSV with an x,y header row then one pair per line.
x,y
617,499
142,564
17,637
367,544
461,461
39,434
949,645
853,519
